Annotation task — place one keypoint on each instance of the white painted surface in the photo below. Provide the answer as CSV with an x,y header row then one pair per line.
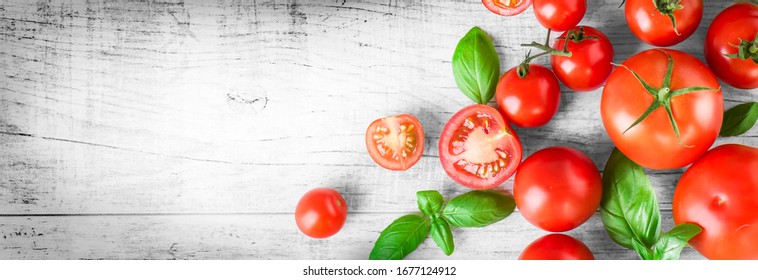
x,y
190,130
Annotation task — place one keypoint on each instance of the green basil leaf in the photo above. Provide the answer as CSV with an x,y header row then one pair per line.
x,y
429,202
644,252
739,119
670,245
478,208
400,238
476,66
629,208
442,235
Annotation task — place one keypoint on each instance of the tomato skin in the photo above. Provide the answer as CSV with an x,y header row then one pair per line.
x,y
530,101
321,212
500,8
590,62
719,192
559,15
556,247
655,28
402,132
740,21
652,143
557,188
467,144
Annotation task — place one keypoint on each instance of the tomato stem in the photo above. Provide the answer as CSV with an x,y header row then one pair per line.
x,y
667,8
746,50
523,68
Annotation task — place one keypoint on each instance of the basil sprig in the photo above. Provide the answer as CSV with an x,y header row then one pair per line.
x,y
473,209
630,213
476,66
739,119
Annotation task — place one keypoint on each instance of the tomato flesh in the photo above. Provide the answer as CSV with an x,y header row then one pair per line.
x,y
321,213
478,149
556,247
395,143
507,7
719,192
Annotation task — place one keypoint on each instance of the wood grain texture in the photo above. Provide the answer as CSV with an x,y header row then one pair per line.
x,y
175,110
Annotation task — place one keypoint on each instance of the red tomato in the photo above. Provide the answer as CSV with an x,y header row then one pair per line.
x,y
719,192
559,15
653,141
590,61
653,26
507,7
478,148
321,212
557,188
736,23
396,142
530,101
556,247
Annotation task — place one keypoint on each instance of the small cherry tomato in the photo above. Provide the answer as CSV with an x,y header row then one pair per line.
x,y
557,188
559,15
590,62
663,23
321,212
531,100
556,247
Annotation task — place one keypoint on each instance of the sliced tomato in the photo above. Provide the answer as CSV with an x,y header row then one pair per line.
x,y
478,148
507,7
396,142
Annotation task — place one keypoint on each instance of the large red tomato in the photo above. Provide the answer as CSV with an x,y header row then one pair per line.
x,y
557,188
321,212
559,15
670,122
478,148
396,142
590,61
733,29
719,192
556,247
528,101
507,7
663,22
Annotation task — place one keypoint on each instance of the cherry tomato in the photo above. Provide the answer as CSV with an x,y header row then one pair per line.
x,y
559,15
719,192
529,101
663,126
652,24
507,7
478,148
590,61
396,142
321,212
732,27
556,247
557,188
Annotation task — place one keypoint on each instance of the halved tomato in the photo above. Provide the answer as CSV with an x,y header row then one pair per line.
x,y
507,7
396,142
478,148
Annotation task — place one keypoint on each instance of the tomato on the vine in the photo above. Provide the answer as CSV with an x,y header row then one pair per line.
x,y
559,15
321,212
663,22
478,148
395,143
728,43
557,188
662,108
590,62
556,247
531,100
507,7
719,192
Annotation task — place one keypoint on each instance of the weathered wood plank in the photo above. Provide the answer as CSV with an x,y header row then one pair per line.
x,y
261,237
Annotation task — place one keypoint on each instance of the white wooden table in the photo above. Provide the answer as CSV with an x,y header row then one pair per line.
x,y
189,130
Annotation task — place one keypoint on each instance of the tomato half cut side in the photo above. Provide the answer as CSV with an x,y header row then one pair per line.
x,y
507,7
478,148
395,143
